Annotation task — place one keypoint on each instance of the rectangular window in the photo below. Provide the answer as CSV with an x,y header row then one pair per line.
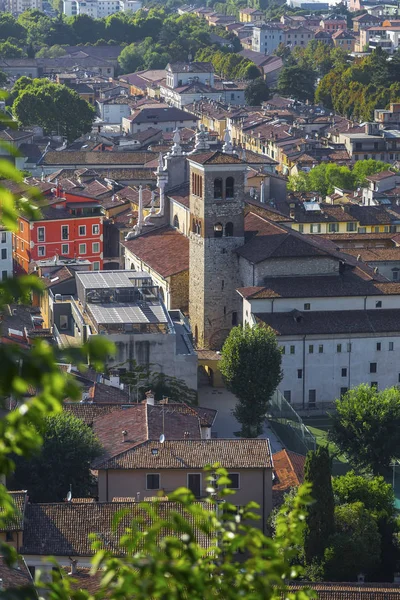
x,y
344,372
372,367
40,234
362,230
333,227
65,232
378,304
41,251
234,484
320,348
3,237
391,345
307,306
194,484
292,349
351,227
301,227
22,245
299,373
374,384
21,226
64,248
152,481
378,346
315,228
339,348
287,394
283,349
4,275
343,391
82,248
348,347
310,349
312,397
4,253
96,266
82,229
234,318
95,247
95,229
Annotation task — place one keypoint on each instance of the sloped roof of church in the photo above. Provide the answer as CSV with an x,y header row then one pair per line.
x,y
216,158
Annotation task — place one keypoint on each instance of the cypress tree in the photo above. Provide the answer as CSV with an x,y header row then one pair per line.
x,y
320,523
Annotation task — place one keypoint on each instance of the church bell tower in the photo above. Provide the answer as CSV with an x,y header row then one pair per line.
x,y
217,182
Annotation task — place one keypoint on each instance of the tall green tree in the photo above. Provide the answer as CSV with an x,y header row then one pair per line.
x,y
54,107
356,545
366,427
8,50
69,447
320,522
256,92
297,82
251,367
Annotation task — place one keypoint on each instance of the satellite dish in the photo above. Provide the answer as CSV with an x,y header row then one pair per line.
x,y
162,438
69,496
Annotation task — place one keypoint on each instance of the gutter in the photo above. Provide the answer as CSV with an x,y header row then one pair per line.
x,y
304,371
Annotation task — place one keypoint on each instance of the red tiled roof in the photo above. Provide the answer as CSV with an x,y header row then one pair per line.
x,y
350,591
165,250
215,158
289,469
17,576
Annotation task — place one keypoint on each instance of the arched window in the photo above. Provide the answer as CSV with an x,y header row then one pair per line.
x,y
229,229
218,187
194,226
133,267
176,221
196,333
199,227
193,183
218,230
230,187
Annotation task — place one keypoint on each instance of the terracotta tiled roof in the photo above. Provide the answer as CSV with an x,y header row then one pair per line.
x,y
165,250
375,254
215,158
88,412
63,529
19,499
72,157
15,577
351,283
194,454
380,176
269,240
84,580
351,591
100,392
180,194
288,469
63,274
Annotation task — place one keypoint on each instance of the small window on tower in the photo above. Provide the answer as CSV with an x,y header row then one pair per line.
x,y
218,230
229,229
176,221
218,188
230,187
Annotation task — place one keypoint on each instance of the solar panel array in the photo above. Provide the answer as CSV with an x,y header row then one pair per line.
x,y
127,313
110,279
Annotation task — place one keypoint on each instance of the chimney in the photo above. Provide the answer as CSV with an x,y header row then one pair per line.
x,y
150,397
186,435
74,568
124,434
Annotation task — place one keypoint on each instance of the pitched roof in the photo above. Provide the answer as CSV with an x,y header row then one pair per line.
x,y
350,591
194,454
88,412
165,250
380,176
17,576
63,529
160,114
215,158
19,499
288,469
193,67
332,322
269,240
76,158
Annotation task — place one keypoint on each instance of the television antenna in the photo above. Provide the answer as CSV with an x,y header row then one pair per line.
x,y
69,496
162,438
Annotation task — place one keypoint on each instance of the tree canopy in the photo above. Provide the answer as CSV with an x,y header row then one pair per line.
x,y
54,107
251,367
256,92
297,82
366,427
68,449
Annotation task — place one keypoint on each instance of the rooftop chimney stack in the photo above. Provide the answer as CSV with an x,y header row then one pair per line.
x,y
124,435
150,397
74,569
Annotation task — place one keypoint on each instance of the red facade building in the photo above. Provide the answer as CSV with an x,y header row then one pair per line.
x,y
67,229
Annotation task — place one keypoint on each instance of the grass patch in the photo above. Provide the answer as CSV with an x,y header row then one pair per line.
x,y
319,427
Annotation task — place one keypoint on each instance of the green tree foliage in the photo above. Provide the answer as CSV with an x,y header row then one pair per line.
x,y
297,82
131,59
319,56
51,52
356,90
326,176
55,108
228,64
376,495
251,367
10,28
3,78
256,92
356,545
68,449
320,517
8,50
366,427
85,29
